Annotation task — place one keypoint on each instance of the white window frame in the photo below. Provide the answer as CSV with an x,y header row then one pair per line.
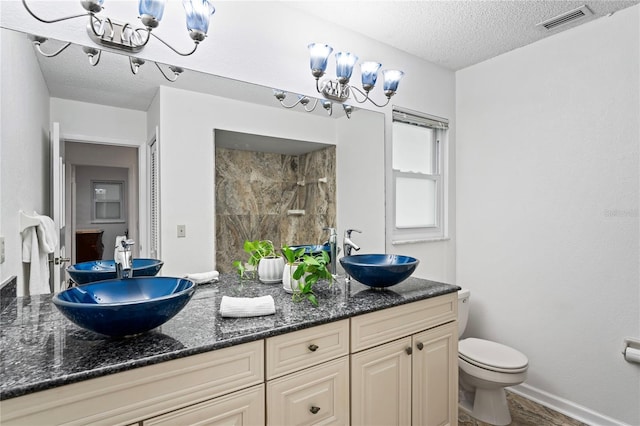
x,y
439,231
121,202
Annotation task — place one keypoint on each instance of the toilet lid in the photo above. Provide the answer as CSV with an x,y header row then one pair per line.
x,y
492,355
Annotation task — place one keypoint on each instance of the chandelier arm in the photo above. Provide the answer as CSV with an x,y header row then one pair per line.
x,y
137,31
97,60
292,105
367,98
94,18
50,55
170,47
365,94
24,3
318,89
175,76
315,104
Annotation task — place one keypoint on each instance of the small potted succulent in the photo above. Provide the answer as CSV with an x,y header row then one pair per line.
x,y
263,259
305,271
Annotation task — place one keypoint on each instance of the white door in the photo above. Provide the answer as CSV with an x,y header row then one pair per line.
x,y
57,206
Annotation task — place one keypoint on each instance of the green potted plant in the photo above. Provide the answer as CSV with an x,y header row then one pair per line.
x,y
292,260
309,269
263,259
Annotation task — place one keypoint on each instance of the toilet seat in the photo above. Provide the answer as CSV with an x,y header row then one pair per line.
x,y
492,356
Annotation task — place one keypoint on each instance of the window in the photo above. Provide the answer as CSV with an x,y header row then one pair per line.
x,y
418,173
108,201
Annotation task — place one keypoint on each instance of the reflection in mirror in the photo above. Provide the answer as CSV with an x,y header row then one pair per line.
x,y
271,189
125,109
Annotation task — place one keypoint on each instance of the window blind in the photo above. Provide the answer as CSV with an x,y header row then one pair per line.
x,y
419,119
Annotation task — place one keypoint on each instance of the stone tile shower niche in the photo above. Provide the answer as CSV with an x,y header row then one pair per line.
x,y
287,197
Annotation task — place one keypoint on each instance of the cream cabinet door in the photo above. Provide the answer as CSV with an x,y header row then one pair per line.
x,y
435,376
381,385
316,396
242,408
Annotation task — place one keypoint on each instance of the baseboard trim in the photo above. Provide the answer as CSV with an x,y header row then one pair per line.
x,y
565,407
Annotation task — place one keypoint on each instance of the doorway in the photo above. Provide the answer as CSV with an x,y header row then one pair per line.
x,y
101,198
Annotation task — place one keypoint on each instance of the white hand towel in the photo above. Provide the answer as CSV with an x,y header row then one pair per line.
x,y
203,277
237,307
37,243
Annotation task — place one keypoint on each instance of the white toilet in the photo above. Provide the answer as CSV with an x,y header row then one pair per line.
x,y
486,368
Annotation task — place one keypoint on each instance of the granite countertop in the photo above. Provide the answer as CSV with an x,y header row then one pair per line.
x,y
40,349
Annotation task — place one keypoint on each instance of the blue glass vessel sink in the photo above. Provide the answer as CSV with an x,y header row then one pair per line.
x,y
379,270
99,270
125,307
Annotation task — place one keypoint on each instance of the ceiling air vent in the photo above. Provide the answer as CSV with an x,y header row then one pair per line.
x,y
565,18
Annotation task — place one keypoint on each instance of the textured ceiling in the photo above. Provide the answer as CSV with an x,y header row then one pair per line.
x,y
454,34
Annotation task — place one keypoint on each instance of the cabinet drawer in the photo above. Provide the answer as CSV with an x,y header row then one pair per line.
x,y
142,392
383,326
318,395
301,349
242,408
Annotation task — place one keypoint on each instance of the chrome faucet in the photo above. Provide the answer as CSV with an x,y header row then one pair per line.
x,y
123,258
333,249
347,244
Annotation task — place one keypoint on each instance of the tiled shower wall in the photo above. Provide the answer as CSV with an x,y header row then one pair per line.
x,y
255,191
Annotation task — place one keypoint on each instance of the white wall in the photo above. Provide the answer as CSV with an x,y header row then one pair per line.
x,y
547,215
24,152
98,123
360,177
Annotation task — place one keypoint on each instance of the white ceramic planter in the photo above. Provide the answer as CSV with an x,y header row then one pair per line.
x,y
270,269
288,283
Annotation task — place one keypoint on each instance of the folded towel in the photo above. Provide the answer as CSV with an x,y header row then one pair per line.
x,y
237,307
38,241
203,277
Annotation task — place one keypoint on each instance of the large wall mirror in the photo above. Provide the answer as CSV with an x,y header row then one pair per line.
x,y
199,133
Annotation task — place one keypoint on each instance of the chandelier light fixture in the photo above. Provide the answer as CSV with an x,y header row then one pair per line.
x,y
339,89
124,36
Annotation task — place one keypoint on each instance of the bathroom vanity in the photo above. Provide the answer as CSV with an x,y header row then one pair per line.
x,y
304,365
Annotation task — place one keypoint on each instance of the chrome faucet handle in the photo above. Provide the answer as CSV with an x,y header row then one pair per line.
x,y
126,244
347,233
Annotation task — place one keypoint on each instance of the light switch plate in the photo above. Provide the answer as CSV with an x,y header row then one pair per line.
x,y
182,231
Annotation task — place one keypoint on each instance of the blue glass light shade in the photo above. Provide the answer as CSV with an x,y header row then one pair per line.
x,y
391,80
319,54
198,14
152,8
344,66
369,72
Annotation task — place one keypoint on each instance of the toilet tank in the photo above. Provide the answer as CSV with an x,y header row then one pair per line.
x,y
463,310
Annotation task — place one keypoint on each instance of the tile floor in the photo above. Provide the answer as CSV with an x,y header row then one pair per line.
x,y
525,413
